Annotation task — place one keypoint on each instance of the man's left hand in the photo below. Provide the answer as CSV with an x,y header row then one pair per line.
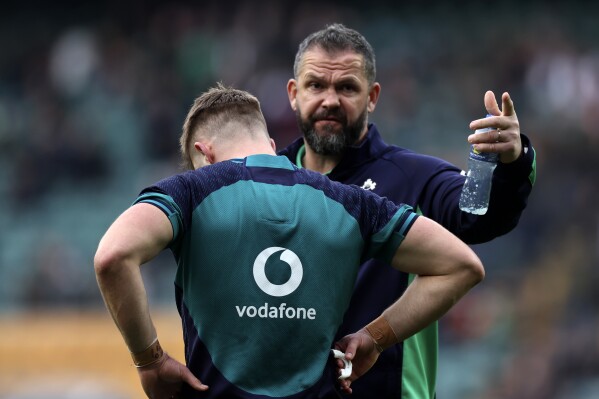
x,y
504,138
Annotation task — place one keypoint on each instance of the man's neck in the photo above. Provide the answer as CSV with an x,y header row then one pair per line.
x,y
242,151
317,162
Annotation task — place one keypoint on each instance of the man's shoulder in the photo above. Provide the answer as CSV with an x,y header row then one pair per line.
x,y
379,151
402,158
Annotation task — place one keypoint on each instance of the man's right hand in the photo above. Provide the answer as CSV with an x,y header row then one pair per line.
x,y
164,379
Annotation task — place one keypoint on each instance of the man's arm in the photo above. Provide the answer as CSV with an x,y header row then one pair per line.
x,y
136,237
446,269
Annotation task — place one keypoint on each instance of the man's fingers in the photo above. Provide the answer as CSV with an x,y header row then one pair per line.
x,y
491,104
507,105
496,120
345,385
193,381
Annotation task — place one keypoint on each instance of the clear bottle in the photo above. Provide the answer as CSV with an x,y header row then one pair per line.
x,y
477,187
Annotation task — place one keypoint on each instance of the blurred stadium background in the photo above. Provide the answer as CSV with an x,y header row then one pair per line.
x,y
92,98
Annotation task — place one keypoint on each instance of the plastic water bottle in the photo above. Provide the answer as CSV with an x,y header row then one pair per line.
x,y
477,187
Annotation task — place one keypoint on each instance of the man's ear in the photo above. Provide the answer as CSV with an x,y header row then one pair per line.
x,y
206,151
273,145
373,96
292,93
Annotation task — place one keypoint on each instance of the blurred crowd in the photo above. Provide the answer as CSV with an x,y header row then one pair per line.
x,y
93,96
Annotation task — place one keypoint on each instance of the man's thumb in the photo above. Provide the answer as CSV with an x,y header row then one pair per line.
x,y
193,381
491,104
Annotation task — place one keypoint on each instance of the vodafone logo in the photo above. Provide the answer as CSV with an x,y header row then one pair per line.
x,y
280,310
278,290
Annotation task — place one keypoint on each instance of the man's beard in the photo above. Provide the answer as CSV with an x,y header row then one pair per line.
x,y
331,142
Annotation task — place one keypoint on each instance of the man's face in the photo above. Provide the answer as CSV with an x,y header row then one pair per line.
x,y
331,99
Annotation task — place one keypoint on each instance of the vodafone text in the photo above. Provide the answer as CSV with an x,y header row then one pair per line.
x,y
273,312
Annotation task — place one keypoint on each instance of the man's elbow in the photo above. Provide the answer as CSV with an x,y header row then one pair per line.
x,y
473,270
107,261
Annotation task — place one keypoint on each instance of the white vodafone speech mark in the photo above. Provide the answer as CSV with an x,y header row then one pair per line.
x,y
297,272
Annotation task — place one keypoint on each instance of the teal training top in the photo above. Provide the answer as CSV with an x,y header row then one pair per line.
x,y
267,258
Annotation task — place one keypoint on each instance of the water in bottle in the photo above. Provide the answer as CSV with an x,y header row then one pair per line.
x,y
477,187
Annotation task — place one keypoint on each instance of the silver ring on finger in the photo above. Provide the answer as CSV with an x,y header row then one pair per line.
x,y
498,135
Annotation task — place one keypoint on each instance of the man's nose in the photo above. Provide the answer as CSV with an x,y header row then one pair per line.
x,y
331,98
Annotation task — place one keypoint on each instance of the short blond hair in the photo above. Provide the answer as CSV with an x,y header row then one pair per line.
x,y
214,109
